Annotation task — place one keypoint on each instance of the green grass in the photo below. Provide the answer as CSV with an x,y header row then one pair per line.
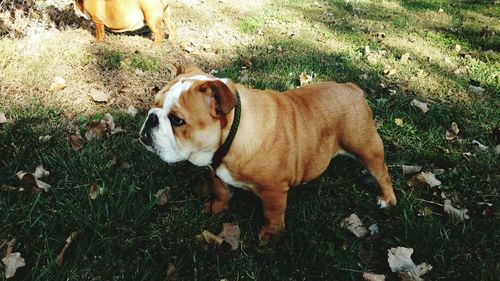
x,y
125,235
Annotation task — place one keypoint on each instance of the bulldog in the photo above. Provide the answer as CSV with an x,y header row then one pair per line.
x,y
126,15
260,140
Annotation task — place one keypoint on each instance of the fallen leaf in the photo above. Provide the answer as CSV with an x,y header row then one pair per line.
x,y
93,191
476,89
447,60
96,130
108,118
480,145
3,119
424,178
438,172
316,4
171,272
413,274
399,259
30,183
162,196
60,256
113,159
404,58
455,215
246,62
12,261
420,105
373,277
231,234
392,92
452,133
367,50
457,48
99,96
399,122
409,170
132,110
57,84
373,229
125,89
40,172
76,142
304,79
497,149
389,71
354,225
364,76
44,138
209,238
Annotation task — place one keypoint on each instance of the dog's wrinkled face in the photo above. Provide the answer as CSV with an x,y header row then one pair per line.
x,y
185,122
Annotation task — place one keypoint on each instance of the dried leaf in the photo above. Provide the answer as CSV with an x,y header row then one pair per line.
x,y
76,142
96,130
304,79
476,89
45,138
99,96
354,225
231,234
60,256
452,133
497,149
30,183
400,259
373,277
316,4
480,145
12,261
424,178
171,272
373,229
420,105
413,274
404,58
162,194
209,238
410,170
3,119
40,172
132,110
108,118
93,191
455,215
57,84
399,122
125,89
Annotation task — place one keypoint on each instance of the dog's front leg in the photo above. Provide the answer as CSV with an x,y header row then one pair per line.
x,y
222,195
274,202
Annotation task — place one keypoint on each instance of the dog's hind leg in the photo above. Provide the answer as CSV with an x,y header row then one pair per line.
x,y
370,150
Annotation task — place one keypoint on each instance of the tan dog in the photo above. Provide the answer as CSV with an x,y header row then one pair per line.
x,y
281,139
126,15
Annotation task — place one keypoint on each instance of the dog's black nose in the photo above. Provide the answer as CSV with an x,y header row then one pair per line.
x,y
152,121
145,135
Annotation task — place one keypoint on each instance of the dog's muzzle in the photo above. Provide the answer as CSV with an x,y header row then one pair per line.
x,y
145,134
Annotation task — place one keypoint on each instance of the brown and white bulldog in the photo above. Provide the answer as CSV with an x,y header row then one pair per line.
x,y
126,15
260,140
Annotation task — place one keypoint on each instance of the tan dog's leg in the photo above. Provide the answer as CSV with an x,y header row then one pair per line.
x,y
372,154
155,28
274,205
99,31
222,196
170,25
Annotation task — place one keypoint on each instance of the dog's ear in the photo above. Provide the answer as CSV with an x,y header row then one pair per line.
x,y
182,69
218,97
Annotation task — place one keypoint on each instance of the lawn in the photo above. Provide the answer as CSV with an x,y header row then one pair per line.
x,y
443,53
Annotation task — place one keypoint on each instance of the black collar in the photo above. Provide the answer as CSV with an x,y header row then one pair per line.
x,y
224,148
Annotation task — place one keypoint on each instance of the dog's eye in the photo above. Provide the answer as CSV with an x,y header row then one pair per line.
x,y
175,121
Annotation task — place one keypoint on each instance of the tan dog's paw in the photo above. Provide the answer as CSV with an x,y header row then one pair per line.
x,y
269,233
215,207
386,202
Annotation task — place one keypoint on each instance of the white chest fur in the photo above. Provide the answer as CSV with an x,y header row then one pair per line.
x,y
223,173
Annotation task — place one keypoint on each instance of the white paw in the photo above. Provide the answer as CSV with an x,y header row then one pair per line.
x,y
382,203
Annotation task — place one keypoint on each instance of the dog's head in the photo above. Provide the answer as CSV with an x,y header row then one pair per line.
x,y
187,118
